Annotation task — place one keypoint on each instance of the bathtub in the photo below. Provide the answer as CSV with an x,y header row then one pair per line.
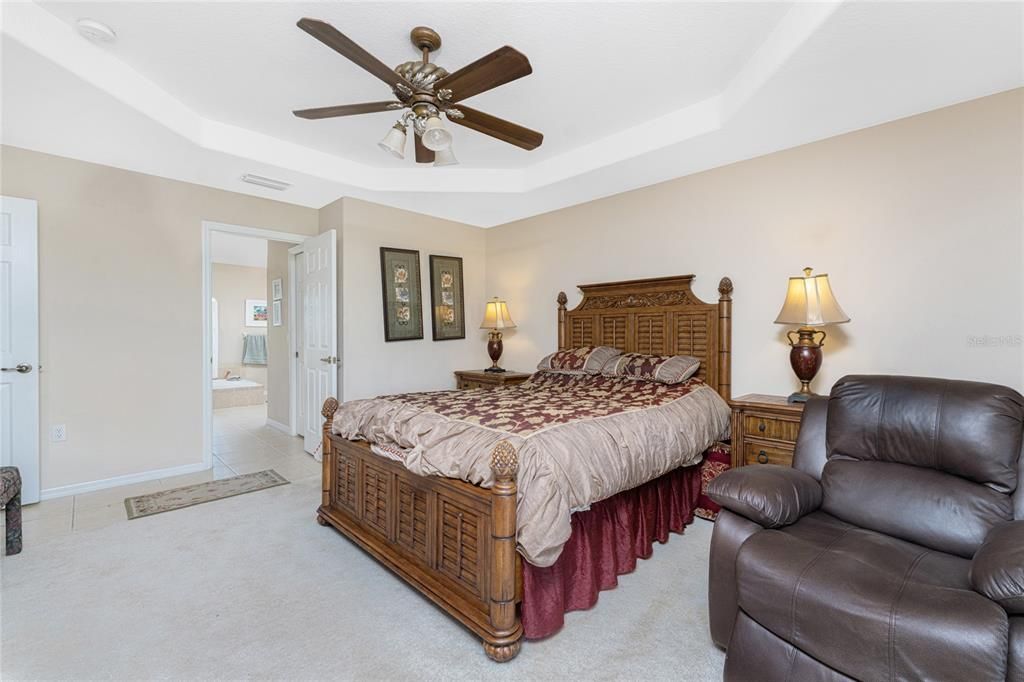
x,y
237,393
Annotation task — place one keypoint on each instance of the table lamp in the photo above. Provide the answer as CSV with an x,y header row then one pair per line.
x,y
496,318
810,304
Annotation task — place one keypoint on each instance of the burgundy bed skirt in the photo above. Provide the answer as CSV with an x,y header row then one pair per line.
x,y
606,542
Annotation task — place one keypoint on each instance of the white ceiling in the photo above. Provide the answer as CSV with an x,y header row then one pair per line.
x,y
233,249
627,94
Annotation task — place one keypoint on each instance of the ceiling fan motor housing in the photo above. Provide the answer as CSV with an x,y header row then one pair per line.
x,y
421,75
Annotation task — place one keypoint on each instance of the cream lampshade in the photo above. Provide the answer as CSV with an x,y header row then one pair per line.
x,y
809,303
496,318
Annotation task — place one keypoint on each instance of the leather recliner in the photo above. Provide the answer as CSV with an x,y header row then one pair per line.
x,y
893,549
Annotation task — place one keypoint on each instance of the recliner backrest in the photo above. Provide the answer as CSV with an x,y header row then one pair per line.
x,y
933,461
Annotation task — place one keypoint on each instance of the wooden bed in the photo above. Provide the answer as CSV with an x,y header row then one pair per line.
x,y
456,542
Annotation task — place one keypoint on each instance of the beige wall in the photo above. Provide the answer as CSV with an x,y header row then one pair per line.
x,y
232,285
369,365
278,355
918,223
120,278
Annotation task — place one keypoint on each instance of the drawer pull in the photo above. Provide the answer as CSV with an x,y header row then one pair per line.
x,y
761,427
762,457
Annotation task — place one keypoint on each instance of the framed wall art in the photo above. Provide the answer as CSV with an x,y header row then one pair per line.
x,y
447,308
402,294
275,313
255,313
276,290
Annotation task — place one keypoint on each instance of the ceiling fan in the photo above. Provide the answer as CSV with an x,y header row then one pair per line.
x,y
427,90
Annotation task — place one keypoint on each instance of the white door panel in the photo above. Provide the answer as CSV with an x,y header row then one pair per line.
x,y
19,342
320,332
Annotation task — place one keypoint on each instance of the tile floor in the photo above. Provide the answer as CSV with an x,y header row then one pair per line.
x,y
242,443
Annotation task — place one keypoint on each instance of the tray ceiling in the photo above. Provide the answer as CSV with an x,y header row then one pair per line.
x,y
627,94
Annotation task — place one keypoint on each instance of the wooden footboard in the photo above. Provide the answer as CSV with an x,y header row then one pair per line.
x,y
453,541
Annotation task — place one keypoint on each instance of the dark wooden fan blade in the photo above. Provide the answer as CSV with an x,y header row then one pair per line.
x,y
423,155
506,131
334,39
347,110
502,66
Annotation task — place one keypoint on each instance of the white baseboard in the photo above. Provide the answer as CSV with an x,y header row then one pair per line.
x,y
92,486
283,428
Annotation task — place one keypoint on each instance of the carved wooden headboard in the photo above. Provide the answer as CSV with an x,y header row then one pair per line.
x,y
658,316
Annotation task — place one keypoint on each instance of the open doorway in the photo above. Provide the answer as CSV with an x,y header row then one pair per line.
x,y
255,317
240,321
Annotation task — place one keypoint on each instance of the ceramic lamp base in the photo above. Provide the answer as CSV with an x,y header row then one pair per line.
x,y
494,348
805,359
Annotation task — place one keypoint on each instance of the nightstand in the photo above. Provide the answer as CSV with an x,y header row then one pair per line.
x,y
477,378
764,429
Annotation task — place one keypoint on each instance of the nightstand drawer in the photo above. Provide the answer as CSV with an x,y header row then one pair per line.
x,y
760,426
764,429
469,379
758,452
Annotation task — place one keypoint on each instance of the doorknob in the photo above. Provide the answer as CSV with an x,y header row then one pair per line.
x,y
20,368
330,360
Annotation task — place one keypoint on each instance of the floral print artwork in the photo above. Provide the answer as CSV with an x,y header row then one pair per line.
x,y
400,277
446,297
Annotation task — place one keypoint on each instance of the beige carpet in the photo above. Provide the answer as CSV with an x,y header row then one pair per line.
x,y
252,588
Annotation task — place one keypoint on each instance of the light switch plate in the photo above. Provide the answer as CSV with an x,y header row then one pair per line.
x,y
58,433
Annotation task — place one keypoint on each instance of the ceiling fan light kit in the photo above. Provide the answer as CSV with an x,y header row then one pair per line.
x,y
394,142
445,157
435,137
427,91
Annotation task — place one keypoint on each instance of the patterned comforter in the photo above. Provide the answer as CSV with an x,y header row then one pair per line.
x,y
581,439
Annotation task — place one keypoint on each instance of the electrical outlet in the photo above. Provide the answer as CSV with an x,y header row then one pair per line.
x,y
58,433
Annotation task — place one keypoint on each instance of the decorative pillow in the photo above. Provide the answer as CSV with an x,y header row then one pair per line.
x,y
665,369
585,360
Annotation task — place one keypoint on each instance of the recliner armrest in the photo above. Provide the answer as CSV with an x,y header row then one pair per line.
x,y
768,494
997,570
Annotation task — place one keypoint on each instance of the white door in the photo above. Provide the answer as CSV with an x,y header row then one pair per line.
x,y
320,332
19,342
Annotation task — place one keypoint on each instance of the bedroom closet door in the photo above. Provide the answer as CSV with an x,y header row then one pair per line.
x,y
320,332
19,342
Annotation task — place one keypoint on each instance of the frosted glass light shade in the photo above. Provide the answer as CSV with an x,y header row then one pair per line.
x,y
810,302
394,142
496,316
445,157
435,137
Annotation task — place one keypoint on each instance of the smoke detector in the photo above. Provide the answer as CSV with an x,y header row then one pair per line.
x,y
96,31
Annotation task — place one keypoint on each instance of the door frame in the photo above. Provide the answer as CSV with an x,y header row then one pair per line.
x,y
293,346
209,227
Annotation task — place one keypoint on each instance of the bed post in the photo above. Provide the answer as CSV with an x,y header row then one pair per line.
x,y
562,300
328,410
507,631
725,338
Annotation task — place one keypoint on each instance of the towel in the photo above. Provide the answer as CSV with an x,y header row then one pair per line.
x,y
254,350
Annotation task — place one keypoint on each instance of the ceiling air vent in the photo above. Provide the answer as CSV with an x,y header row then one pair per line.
x,y
279,185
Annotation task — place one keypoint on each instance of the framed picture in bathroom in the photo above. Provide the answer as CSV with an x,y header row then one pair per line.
x,y
275,313
276,290
255,312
